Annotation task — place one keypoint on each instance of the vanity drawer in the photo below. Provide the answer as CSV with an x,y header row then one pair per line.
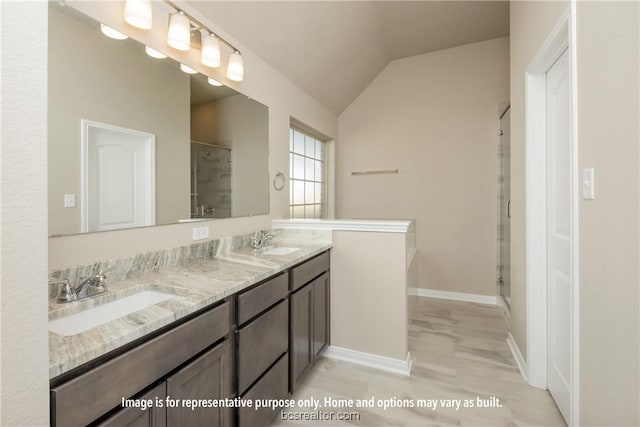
x,y
262,297
135,417
88,396
261,342
311,269
273,385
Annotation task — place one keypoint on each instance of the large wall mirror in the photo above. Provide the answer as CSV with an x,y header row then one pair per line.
x,y
134,141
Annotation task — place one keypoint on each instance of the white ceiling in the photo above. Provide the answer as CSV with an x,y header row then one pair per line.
x,y
334,49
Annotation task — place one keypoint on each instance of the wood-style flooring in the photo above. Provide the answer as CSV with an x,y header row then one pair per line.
x,y
459,353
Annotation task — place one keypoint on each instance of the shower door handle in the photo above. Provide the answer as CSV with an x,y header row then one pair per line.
x,y
508,208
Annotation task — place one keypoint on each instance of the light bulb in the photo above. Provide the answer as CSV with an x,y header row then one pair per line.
x,y
235,67
210,55
179,36
138,13
187,69
214,82
154,53
110,32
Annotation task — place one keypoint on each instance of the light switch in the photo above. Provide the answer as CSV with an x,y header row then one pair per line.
x,y
588,184
69,200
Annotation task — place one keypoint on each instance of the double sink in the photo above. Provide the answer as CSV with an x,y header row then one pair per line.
x,y
97,314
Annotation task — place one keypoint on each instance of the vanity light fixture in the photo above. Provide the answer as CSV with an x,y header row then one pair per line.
x,y
154,53
187,69
138,13
210,54
111,33
235,67
214,82
179,36
181,25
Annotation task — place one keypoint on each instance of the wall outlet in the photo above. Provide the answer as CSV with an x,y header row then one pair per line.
x,y
69,200
200,233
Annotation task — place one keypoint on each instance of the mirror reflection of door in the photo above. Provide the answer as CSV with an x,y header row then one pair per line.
x,y
118,177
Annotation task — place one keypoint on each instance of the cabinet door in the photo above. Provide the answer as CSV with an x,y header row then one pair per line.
x,y
134,417
320,297
301,334
208,377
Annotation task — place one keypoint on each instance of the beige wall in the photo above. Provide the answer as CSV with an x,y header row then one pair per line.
x,y
96,78
531,22
263,84
608,135
378,325
24,364
243,125
435,117
204,123
250,179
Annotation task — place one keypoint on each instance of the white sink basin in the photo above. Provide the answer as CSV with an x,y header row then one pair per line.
x,y
280,251
101,314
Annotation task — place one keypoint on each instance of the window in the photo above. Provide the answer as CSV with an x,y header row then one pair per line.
x,y
306,172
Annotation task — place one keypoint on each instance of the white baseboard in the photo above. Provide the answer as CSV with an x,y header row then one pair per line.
x,y
397,366
506,311
522,364
456,296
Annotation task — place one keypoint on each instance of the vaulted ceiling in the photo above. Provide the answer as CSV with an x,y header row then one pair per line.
x,y
334,49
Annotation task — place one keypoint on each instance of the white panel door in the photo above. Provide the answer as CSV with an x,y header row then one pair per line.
x,y
559,230
119,173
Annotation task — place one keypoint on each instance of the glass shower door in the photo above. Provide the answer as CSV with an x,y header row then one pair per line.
x,y
210,181
504,234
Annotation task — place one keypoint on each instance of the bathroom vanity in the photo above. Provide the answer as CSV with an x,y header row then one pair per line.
x,y
251,339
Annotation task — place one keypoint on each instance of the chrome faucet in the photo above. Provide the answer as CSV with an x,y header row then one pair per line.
x,y
259,238
86,288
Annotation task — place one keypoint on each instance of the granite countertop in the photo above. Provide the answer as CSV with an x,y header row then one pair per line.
x,y
196,284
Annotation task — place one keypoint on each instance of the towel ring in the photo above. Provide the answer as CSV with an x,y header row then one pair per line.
x,y
278,181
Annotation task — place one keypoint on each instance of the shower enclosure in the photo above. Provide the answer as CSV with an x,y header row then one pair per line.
x,y
504,191
210,181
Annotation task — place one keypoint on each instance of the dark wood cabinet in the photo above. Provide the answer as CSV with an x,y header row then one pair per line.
x,y
309,270
320,297
309,322
96,392
301,335
259,298
135,417
273,385
262,347
260,343
206,378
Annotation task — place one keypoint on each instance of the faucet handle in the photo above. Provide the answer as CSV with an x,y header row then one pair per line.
x,y
268,234
66,293
257,239
102,281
